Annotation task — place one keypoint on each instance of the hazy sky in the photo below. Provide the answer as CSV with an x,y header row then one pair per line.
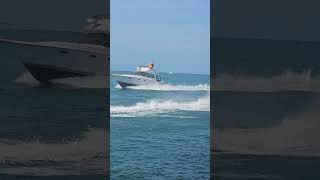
x,y
175,34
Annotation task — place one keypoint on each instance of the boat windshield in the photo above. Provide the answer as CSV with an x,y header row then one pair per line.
x,y
145,74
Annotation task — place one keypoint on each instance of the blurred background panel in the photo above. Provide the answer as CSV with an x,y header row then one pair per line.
x,y
265,92
54,115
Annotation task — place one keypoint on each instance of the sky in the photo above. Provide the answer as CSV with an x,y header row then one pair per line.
x,y
174,34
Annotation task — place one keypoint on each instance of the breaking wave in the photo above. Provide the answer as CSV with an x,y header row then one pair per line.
x,y
297,136
171,87
155,107
65,158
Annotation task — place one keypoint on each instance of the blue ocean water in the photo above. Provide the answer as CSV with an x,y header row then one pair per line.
x,y
161,132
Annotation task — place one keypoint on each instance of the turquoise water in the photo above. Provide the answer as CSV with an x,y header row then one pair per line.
x,y
161,132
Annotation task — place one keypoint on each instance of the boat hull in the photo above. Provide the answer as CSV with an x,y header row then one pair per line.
x,y
125,84
48,62
45,73
132,80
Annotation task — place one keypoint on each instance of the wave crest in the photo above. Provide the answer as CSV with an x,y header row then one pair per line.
x,y
288,81
43,159
171,87
156,107
295,136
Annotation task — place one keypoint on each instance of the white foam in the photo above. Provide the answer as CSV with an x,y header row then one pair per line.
x,y
157,106
288,81
294,136
26,78
118,86
171,87
87,153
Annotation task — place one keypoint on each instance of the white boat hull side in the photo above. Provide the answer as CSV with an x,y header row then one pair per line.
x,y
64,57
133,80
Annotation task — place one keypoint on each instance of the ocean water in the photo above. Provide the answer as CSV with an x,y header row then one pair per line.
x,y
50,131
161,132
265,99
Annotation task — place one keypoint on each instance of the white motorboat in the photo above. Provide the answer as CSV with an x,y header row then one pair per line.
x,y
144,75
47,61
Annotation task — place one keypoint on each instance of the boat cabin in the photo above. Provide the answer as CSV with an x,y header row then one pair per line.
x,y
148,71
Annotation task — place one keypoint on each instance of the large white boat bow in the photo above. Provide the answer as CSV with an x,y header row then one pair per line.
x,y
50,60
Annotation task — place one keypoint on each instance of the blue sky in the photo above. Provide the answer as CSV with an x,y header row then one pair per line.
x,y
175,34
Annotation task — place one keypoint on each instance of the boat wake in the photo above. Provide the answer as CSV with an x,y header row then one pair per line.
x,y
170,87
287,81
157,107
295,136
27,79
65,158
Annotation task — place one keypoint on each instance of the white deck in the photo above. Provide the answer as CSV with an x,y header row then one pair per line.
x,y
65,45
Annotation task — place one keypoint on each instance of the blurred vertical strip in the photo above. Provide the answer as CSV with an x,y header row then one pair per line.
x,y
54,89
265,89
